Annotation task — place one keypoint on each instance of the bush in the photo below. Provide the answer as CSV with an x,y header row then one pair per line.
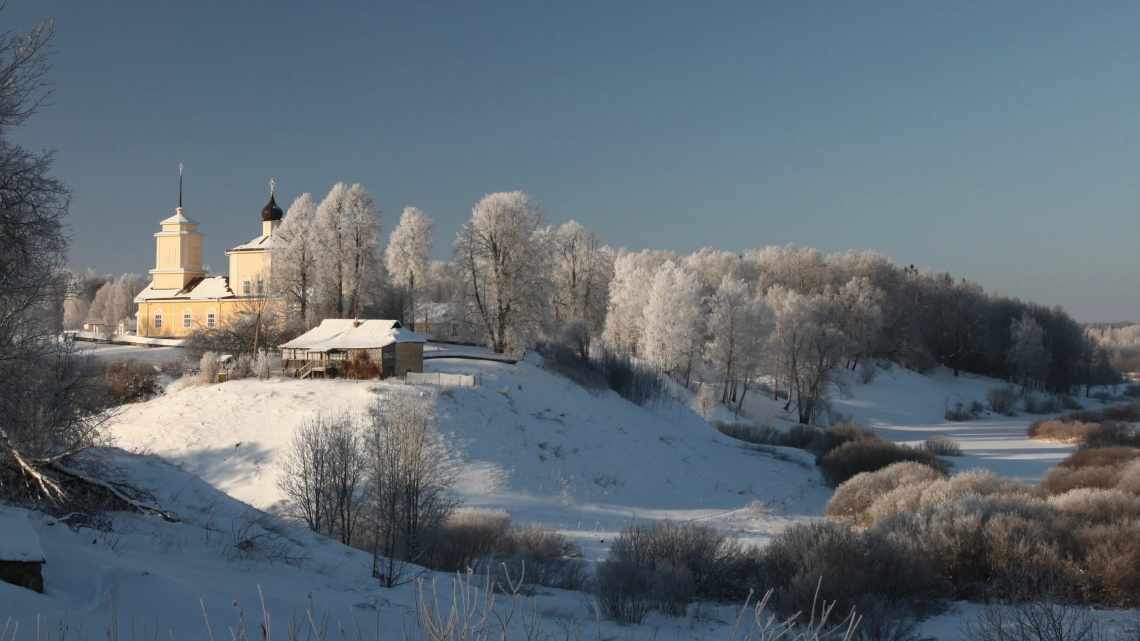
x,y
670,563
854,457
1113,434
942,446
846,565
130,381
855,496
1097,457
1097,505
1041,404
959,413
1061,430
486,542
1003,400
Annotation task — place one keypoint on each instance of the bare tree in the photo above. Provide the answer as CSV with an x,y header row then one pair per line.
x,y
323,474
50,402
409,482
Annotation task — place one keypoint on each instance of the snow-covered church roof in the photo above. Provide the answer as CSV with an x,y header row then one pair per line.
x,y
204,288
348,333
264,241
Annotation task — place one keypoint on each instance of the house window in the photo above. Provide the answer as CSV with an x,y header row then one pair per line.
x,y
187,319
158,321
211,320
260,286
245,288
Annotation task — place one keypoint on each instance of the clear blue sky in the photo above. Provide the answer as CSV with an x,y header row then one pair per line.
x,y
996,142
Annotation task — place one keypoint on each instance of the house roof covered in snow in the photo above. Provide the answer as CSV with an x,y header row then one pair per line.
x,y
201,288
19,542
177,219
348,333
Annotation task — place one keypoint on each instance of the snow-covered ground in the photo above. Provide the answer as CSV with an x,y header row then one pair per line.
x,y
527,441
908,407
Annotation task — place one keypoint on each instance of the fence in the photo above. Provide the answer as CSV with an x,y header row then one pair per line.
x,y
441,379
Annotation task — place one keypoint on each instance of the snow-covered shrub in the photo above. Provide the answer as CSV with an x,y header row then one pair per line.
x,y
1129,479
914,496
1110,561
1061,430
1098,505
1003,400
959,413
672,563
1113,434
856,495
854,457
838,562
209,367
942,446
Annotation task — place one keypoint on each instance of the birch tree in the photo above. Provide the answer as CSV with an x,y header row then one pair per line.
x,y
408,256
348,226
504,262
738,327
295,249
673,321
806,347
633,274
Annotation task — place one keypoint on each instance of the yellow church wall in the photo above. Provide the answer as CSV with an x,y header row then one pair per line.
x,y
248,266
172,311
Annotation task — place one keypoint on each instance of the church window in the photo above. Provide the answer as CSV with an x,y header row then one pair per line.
x,y
245,288
158,321
211,320
187,319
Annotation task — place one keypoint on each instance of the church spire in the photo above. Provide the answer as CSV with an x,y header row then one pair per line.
x,y
180,185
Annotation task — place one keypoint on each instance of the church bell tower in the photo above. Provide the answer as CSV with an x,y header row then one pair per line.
x,y
178,249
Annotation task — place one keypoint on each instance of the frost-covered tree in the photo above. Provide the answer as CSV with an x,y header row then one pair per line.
x,y
504,260
738,326
408,255
295,249
860,316
633,274
1027,356
114,301
673,321
581,271
806,346
348,226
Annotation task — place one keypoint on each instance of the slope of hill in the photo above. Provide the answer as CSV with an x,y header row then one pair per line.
x,y
526,440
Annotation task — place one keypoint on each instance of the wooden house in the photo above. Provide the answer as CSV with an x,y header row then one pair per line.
x,y
345,346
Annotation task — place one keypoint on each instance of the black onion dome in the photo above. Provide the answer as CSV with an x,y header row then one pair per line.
x,y
271,211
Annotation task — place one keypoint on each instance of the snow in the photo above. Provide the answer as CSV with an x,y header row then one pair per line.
x,y
264,241
347,333
177,219
18,541
527,441
206,288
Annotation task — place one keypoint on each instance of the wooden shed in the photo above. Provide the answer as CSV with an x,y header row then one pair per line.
x,y
345,346
21,557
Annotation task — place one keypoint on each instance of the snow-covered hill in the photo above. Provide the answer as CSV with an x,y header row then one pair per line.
x,y
528,441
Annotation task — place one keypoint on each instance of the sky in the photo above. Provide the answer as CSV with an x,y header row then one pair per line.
x,y
996,141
